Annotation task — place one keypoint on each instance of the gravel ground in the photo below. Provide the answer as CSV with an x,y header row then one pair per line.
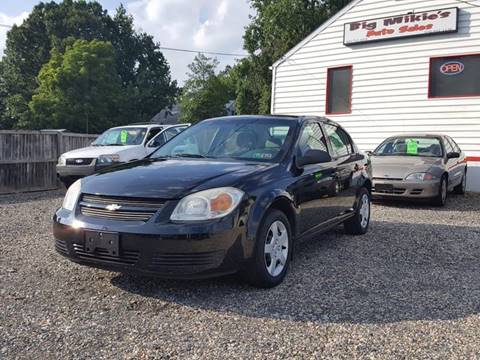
x,y
408,289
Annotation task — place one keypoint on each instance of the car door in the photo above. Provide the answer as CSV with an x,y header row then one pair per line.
x,y
455,165
314,184
348,166
462,160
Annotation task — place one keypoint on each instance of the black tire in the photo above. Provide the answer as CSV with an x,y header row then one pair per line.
x,y
461,188
67,181
256,271
356,225
441,198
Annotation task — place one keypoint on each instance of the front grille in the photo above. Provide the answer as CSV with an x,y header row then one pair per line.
x,y
416,191
126,257
80,161
61,246
396,191
387,179
176,262
119,208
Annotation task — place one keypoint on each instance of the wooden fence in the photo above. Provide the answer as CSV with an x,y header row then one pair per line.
x,y
28,158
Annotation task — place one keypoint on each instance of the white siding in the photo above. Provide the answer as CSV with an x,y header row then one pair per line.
x,y
390,78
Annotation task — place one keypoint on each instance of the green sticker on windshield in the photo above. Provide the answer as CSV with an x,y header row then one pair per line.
x,y
412,147
123,136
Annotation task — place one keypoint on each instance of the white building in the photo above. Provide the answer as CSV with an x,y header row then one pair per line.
x,y
414,68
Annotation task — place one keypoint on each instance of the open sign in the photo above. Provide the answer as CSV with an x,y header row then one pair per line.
x,y
452,68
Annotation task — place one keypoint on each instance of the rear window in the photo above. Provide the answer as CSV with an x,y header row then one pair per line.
x,y
410,146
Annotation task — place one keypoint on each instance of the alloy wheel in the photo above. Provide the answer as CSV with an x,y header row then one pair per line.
x,y
276,248
364,210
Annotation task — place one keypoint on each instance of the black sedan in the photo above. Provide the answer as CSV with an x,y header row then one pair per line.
x,y
227,195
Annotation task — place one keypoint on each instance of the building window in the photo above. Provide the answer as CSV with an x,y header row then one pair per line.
x,y
454,76
339,90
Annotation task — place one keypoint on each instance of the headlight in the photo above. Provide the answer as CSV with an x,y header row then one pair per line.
x,y
421,177
62,161
72,195
108,159
208,204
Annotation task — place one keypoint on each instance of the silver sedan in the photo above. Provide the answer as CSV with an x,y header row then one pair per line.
x,y
418,166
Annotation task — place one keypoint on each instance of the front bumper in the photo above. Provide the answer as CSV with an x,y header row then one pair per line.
x,y
167,250
65,171
405,189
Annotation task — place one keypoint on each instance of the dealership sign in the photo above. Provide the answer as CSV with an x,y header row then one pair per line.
x,y
401,26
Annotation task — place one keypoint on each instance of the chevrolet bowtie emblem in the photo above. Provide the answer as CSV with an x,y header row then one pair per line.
x,y
113,207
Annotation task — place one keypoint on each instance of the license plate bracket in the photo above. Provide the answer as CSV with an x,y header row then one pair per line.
x,y
384,187
106,241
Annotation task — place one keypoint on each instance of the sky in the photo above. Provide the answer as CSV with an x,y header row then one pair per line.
x,y
208,25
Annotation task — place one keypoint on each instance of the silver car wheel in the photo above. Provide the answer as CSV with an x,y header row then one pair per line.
x,y
276,248
365,210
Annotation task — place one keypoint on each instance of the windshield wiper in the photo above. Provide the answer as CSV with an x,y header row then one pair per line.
x,y
193,156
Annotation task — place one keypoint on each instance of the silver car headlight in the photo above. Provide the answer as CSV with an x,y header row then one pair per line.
x,y
72,195
62,161
423,176
208,204
108,159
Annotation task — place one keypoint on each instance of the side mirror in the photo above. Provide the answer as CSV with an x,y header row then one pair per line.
x,y
453,155
314,157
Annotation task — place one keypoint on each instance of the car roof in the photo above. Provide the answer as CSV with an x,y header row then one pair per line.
x,y
295,118
149,125
419,134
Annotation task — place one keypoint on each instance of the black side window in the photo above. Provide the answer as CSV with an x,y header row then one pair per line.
x,y
170,133
448,146
455,145
152,134
340,141
159,141
312,138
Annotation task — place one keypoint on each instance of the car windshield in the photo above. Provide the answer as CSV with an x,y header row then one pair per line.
x,y
244,139
121,137
410,146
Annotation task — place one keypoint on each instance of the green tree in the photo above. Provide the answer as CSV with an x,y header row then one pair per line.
x,y
205,92
79,90
276,27
56,26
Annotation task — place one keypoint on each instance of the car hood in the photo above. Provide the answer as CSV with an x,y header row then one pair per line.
x,y
399,167
167,179
96,151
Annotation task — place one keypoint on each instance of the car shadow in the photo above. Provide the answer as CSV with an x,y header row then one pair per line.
x,y
398,272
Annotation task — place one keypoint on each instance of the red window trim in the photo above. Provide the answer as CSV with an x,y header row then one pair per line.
x,y
430,77
327,112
